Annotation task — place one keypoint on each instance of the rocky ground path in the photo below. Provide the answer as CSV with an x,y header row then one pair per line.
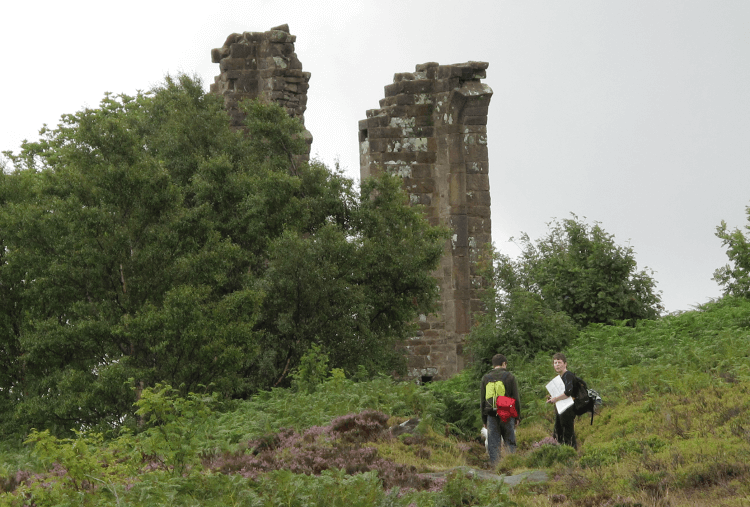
x,y
510,480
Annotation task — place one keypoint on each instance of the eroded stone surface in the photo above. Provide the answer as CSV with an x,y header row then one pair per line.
x,y
262,65
431,129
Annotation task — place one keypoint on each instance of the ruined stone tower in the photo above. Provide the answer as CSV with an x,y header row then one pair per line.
x,y
262,65
431,129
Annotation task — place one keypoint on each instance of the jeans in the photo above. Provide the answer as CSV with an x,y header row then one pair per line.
x,y
497,432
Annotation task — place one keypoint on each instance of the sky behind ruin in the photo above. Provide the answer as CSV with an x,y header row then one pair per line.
x,y
634,114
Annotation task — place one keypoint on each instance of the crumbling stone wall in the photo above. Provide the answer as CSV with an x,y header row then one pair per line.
x,y
262,65
431,129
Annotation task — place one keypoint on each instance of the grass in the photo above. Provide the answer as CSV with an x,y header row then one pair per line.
x,y
674,430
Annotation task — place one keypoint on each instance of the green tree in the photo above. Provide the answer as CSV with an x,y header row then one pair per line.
x,y
574,276
734,277
354,290
581,271
144,239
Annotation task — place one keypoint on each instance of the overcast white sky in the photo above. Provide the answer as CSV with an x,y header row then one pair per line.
x,y
635,113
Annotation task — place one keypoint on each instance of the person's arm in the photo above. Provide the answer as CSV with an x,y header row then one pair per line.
x,y
482,394
568,379
517,396
557,398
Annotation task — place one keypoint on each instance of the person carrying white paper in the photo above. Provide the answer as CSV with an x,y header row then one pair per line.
x,y
564,418
556,387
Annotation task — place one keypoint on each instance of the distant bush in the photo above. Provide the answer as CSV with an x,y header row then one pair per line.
x,y
574,276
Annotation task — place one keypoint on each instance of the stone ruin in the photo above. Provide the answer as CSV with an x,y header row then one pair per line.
x,y
262,65
430,129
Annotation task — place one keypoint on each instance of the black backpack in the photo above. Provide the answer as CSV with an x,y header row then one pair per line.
x,y
584,400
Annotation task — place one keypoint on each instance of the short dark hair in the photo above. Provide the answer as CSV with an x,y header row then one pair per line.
x,y
498,360
561,357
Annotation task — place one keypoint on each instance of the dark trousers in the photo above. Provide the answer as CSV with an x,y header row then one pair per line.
x,y
564,428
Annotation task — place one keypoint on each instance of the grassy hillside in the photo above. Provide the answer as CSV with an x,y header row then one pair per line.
x,y
674,430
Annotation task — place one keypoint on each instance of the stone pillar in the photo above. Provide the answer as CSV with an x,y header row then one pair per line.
x,y
431,129
262,65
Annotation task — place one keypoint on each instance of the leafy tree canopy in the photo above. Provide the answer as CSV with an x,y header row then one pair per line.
x,y
574,276
735,277
144,241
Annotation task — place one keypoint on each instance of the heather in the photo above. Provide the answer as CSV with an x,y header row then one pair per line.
x,y
338,446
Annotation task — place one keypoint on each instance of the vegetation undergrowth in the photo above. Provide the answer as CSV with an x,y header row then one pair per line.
x,y
272,410
674,430
675,427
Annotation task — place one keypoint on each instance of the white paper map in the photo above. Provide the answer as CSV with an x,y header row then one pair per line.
x,y
556,387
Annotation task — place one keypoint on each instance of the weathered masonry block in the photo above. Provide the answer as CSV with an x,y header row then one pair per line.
x,y
261,65
431,129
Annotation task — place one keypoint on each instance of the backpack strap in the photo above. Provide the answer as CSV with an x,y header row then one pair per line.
x,y
502,379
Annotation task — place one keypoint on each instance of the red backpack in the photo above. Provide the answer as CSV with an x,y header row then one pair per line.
x,y
506,408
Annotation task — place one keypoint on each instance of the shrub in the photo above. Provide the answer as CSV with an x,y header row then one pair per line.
x,y
359,428
548,455
337,446
176,427
458,396
461,489
312,370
